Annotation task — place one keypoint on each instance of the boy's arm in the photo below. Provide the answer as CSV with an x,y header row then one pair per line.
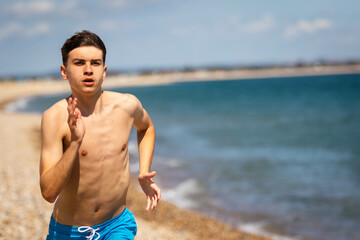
x,y
56,165
146,143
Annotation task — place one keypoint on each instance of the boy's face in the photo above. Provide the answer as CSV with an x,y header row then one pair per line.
x,y
85,69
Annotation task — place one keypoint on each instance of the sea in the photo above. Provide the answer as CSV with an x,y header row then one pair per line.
x,y
272,156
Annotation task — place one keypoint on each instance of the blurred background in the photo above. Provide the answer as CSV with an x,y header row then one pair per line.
x,y
147,34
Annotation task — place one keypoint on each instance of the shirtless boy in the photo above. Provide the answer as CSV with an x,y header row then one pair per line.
x,y
84,166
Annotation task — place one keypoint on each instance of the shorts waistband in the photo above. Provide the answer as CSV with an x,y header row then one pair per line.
x,y
67,228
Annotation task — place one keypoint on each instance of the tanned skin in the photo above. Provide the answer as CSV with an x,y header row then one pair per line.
x,y
84,166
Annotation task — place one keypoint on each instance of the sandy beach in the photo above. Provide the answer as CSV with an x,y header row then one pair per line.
x,y
25,214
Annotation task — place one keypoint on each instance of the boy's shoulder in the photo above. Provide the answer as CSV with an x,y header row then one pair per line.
x,y
120,96
124,102
57,110
122,99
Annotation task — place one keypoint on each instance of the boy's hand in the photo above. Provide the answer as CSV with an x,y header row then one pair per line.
x,y
151,190
75,121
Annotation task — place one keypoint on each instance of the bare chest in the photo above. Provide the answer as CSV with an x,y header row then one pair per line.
x,y
105,137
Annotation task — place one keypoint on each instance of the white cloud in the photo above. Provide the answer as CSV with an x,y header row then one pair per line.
x,y
233,19
309,27
68,6
108,25
38,29
116,4
30,8
10,29
14,28
122,4
230,27
261,25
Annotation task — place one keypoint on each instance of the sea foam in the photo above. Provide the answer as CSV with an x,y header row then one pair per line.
x,y
18,105
183,195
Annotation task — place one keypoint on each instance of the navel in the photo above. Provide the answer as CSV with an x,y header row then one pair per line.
x,y
123,147
97,209
84,153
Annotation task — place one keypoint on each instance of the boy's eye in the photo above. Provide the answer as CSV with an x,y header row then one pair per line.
x,y
96,63
78,63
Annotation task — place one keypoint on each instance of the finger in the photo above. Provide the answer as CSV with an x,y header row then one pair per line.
x,y
74,103
158,192
69,107
154,203
69,101
77,114
148,204
151,175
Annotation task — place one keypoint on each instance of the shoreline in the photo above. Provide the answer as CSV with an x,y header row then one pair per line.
x,y
168,221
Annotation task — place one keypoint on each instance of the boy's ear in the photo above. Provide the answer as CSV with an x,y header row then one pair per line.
x,y
63,72
104,73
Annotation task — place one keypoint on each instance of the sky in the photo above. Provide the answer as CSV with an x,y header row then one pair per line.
x,y
141,34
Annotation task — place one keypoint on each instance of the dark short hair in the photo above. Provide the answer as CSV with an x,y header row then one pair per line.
x,y
81,39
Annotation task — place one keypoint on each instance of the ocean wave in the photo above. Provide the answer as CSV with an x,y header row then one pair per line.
x,y
18,105
185,193
259,228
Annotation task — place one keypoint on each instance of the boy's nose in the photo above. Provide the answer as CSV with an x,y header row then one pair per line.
x,y
87,69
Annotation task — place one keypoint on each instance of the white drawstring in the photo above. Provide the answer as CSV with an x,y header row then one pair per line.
x,y
92,232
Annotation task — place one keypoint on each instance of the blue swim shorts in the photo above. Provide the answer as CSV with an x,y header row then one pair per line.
x,y
122,226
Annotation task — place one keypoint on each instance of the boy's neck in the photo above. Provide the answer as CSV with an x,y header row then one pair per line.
x,y
89,104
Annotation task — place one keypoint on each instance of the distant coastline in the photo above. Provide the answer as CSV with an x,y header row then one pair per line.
x,y
217,71
55,85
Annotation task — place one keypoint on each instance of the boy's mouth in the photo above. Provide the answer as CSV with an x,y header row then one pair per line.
x,y
88,81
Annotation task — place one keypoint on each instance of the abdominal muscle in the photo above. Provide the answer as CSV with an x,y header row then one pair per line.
x,y
98,196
